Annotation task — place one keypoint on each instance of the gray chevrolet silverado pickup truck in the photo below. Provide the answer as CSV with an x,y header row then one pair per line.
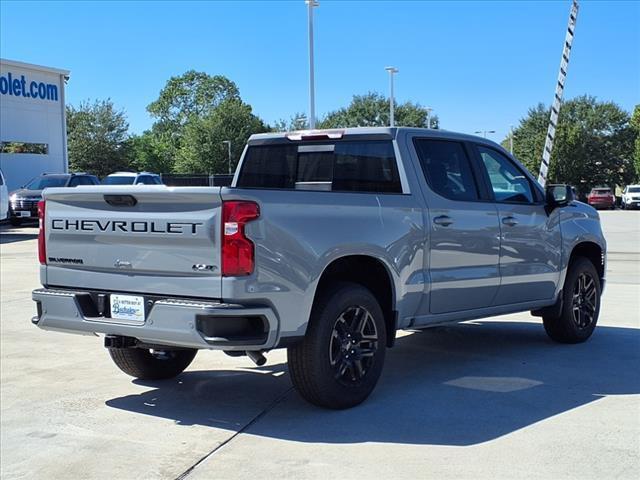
x,y
326,243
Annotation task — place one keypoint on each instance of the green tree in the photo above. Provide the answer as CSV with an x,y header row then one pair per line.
x,y
152,152
202,150
191,94
97,138
372,110
184,99
297,122
593,143
635,125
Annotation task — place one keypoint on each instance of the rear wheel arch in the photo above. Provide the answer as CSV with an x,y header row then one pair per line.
x,y
369,272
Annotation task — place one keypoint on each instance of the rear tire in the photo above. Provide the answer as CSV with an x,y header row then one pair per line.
x,y
340,360
15,221
580,305
145,365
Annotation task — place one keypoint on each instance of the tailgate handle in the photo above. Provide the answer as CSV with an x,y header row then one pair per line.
x,y
121,200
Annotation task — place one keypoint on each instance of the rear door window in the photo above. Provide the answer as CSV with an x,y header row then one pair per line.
x,y
447,168
358,166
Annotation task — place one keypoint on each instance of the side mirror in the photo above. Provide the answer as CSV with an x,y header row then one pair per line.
x,y
558,195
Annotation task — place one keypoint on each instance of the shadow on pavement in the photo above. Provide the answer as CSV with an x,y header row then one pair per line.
x,y
12,236
457,385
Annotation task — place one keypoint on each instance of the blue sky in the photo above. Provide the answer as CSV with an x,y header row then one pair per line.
x,y
480,65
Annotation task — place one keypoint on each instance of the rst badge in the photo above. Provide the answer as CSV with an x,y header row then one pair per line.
x,y
201,267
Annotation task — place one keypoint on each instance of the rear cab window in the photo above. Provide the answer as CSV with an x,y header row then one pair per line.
x,y
342,166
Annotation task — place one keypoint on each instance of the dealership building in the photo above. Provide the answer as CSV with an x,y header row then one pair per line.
x,y
33,131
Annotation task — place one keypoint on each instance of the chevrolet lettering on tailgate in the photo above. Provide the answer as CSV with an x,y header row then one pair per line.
x,y
125,226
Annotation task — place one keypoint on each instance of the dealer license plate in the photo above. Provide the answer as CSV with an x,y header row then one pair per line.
x,y
127,307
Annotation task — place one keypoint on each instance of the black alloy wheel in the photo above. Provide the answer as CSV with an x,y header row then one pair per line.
x,y
354,342
584,301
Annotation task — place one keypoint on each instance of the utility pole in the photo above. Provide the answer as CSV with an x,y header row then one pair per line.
x,y
555,107
228,142
392,71
428,109
312,87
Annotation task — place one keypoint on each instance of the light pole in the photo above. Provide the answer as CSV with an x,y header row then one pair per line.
x,y
484,132
511,139
428,109
228,142
392,71
312,87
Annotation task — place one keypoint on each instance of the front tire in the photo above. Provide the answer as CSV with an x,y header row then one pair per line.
x,y
15,221
340,360
146,364
580,305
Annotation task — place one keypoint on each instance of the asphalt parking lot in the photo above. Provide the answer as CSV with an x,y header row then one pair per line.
x,y
492,398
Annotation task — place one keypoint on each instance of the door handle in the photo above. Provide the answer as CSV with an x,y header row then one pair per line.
x,y
511,221
443,220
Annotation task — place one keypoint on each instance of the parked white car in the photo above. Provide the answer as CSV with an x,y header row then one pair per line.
x,y
132,178
631,196
4,198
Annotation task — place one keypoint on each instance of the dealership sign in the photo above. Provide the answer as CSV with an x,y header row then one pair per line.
x,y
22,87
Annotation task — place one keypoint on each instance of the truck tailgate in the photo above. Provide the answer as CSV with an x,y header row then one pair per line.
x,y
146,239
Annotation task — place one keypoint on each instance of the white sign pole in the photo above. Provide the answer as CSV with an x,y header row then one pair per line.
x,y
555,107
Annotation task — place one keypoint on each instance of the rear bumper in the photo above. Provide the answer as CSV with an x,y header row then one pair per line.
x,y
601,203
176,322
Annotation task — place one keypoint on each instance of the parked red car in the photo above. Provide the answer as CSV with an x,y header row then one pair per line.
x,y
601,198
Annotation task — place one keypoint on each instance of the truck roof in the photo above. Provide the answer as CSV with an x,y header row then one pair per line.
x,y
370,133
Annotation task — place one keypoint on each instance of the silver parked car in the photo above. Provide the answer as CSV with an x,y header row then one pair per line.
x,y
326,243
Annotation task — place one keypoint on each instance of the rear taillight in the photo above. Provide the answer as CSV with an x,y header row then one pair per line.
x,y
42,248
238,255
